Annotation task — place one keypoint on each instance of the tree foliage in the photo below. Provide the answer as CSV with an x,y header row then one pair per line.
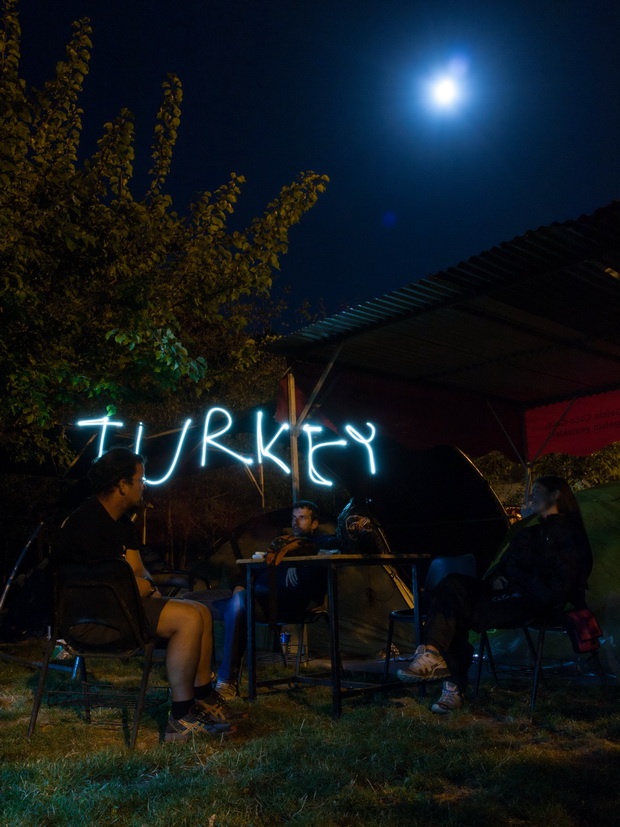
x,y
105,297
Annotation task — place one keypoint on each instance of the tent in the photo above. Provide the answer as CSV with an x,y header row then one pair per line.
x,y
467,518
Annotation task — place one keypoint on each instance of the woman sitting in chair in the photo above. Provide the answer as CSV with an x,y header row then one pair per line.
x,y
545,566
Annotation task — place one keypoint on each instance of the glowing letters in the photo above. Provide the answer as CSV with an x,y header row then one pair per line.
x,y
210,438
176,456
104,422
263,449
312,472
359,438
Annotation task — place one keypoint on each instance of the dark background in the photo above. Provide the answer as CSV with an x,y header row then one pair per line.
x,y
273,87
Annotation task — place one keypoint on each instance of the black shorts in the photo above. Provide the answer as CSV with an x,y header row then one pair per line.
x,y
153,607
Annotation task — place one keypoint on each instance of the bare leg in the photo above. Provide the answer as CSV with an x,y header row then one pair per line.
x,y
205,663
188,657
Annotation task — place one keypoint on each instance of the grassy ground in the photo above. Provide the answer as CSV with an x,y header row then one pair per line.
x,y
387,761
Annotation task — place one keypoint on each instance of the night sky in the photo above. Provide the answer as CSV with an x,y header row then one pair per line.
x,y
273,87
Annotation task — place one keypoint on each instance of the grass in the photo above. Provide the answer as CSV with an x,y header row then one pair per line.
x,y
387,761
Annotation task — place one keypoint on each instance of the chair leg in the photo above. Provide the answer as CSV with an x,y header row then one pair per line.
x,y
36,704
537,668
301,630
388,650
485,646
81,665
481,647
146,671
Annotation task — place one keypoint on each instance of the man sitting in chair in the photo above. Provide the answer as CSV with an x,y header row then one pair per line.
x,y
294,589
100,529
546,566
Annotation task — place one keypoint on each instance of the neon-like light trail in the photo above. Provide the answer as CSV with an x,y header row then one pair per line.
x,y
263,449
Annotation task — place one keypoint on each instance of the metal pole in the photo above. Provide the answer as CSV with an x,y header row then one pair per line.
x,y
293,435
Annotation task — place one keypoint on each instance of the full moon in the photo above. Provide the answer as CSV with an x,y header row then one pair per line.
x,y
445,92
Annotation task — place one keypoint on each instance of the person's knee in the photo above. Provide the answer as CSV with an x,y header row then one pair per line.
x,y
204,614
236,605
180,616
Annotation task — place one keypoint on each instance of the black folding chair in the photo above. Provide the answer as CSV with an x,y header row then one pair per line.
x,y
542,625
98,612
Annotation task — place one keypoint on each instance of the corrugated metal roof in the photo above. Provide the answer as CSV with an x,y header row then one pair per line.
x,y
532,320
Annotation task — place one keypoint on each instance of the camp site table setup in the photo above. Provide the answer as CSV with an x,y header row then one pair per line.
x,y
332,563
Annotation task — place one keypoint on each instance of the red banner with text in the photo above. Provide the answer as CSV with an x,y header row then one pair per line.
x,y
579,427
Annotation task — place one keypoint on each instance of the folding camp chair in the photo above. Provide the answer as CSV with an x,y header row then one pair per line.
x,y
98,613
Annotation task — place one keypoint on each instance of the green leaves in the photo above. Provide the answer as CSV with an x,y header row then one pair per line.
x,y
106,297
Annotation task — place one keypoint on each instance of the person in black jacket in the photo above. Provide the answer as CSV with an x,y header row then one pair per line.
x,y
544,568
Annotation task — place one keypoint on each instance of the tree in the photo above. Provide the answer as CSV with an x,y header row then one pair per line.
x,y
106,298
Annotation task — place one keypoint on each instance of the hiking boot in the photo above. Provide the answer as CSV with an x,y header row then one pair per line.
x,y
425,666
195,723
450,699
227,690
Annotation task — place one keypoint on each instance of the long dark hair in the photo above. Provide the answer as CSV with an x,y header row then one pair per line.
x,y
566,502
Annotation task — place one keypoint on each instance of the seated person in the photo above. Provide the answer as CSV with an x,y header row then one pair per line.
x,y
295,589
545,566
100,529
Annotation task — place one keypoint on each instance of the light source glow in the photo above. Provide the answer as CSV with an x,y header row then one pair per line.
x,y
176,456
359,438
312,472
445,91
209,439
105,422
265,451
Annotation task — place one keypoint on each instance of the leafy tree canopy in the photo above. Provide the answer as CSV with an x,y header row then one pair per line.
x,y
106,298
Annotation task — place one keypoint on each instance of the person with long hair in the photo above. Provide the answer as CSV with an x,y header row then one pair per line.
x,y
544,568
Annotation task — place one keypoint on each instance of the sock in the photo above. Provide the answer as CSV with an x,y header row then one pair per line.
x,y
202,692
181,708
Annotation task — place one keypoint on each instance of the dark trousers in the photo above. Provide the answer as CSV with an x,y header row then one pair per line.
x,y
460,603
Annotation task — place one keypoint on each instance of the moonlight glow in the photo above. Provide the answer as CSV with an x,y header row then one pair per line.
x,y
445,91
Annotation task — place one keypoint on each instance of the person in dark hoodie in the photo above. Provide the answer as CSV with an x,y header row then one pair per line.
x,y
544,568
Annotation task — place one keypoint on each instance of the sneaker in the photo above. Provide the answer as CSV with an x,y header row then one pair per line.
x,y
425,666
450,700
227,690
194,723
216,708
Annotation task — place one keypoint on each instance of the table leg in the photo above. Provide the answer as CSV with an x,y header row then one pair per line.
x,y
334,640
251,645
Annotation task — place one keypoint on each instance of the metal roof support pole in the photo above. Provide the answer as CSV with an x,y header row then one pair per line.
x,y
296,424
522,460
293,434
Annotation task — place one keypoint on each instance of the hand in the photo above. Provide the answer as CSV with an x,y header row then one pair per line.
x,y
291,577
499,583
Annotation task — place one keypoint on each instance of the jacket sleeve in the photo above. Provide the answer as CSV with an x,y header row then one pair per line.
x,y
550,562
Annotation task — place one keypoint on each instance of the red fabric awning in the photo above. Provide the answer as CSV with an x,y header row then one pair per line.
x,y
579,427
